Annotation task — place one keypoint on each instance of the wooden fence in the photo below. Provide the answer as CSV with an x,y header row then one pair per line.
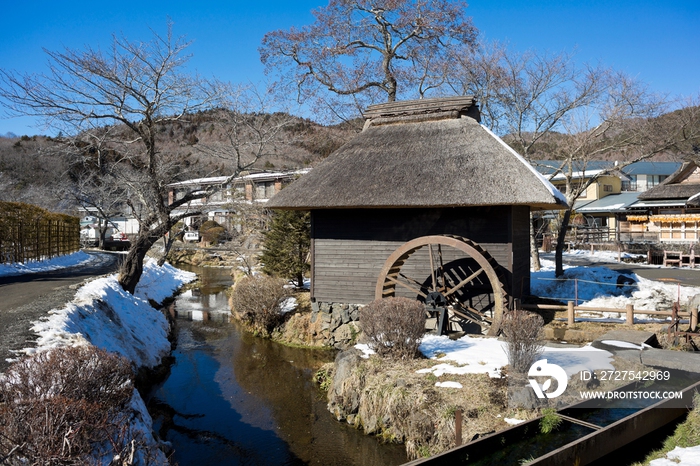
x,y
29,233
629,312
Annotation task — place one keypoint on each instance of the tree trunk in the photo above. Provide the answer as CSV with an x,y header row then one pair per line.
x,y
561,237
166,249
131,269
534,252
102,230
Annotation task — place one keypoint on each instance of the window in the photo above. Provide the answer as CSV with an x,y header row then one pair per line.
x,y
217,196
653,180
607,188
679,231
269,189
260,191
631,184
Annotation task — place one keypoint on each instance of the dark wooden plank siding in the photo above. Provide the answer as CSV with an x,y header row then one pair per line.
x,y
351,246
521,252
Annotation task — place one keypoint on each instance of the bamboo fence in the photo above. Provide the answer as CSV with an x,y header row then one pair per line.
x,y
30,233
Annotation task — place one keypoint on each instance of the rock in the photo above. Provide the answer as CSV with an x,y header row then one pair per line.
x,y
694,302
343,397
336,319
314,312
345,335
522,397
345,314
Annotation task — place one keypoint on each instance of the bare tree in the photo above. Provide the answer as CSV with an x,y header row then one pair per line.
x,y
546,106
96,188
139,88
631,125
360,52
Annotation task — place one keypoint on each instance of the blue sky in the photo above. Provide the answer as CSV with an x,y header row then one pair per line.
x,y
657,42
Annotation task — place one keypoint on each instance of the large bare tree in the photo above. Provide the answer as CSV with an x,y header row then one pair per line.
x,y
364,51
136,89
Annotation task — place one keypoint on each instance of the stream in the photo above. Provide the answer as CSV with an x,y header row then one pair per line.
x,y
235,399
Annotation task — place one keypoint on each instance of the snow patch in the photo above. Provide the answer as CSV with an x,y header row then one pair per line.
x,y
448,384
679,456
61,262
104,315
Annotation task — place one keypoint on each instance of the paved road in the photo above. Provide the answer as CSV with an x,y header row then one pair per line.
x,y
687,277
26,298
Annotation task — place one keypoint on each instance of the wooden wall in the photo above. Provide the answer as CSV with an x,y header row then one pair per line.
x,y
350,246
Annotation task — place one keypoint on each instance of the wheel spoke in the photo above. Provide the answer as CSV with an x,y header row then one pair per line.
x,y
432,267
442,269
473,316
405,285
464,309
459,285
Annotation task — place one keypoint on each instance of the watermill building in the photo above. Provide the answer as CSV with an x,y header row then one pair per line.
x,y
426,203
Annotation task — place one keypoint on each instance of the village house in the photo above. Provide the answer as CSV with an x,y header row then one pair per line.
x,y
424,203
669,212
221,207
601,210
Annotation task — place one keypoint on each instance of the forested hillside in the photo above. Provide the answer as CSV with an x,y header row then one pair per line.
x,y
41,170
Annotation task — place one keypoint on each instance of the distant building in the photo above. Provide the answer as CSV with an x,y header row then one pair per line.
x,y
600,213
670,212
221,206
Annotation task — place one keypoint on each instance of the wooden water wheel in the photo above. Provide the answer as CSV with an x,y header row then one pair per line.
x,y
448,271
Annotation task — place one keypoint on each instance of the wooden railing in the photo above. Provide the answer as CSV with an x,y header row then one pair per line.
x,y
629,312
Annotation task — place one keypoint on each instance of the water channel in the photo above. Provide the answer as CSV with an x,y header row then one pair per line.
x,y
234,399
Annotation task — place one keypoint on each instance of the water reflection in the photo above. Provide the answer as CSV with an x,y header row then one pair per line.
x,y
235,399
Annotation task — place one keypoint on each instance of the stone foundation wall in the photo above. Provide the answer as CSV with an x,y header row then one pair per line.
x,y
337,323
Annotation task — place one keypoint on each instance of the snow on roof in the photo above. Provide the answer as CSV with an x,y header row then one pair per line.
x,y
578,174
610,203
252,176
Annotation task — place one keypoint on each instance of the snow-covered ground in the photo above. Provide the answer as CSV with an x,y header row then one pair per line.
x,y
679,456
597,286
69,260
104,315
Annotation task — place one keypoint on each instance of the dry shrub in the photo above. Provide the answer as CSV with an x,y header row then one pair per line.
x,y
394,326
257,300
523,334
65,406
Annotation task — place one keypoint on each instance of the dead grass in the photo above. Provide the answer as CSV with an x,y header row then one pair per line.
x,y
599,328
399,405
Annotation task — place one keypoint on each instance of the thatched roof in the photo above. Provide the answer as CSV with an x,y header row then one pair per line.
x,y
683,184
425,153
